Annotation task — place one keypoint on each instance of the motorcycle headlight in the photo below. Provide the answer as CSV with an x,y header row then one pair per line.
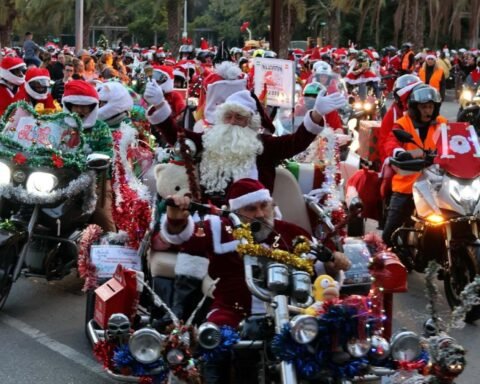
x,y
5,174
467,95
435,219
303,328
41,182
405,346
146,345
357,105
209,335
367,106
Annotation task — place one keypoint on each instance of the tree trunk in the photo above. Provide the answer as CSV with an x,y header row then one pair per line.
x,y
173,31
7,26
361,23
398,18
333,30
288,18
474,23
414,23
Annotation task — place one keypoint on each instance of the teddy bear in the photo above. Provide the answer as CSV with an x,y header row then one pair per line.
x,y
182,289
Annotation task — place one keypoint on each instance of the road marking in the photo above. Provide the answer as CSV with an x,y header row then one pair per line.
x,y
62,349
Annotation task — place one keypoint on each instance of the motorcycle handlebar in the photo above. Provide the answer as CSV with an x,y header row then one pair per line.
x,y
409,165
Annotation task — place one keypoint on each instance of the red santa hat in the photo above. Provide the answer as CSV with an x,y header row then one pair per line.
x,y
9,63
80,92
244,192
430,55
35,73
226,79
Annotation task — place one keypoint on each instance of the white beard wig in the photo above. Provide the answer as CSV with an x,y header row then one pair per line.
x,y
230,153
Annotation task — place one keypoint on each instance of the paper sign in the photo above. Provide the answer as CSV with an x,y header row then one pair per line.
x,y
278,76
107,257
51,134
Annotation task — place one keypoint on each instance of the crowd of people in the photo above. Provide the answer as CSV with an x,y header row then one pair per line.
x,y
233,133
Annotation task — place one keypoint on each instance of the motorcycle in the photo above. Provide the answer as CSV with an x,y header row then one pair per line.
x,y
469,110
444,226
46,194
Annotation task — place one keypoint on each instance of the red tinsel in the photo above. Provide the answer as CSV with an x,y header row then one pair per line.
x,y
19,159
103,351
86,269
411,365
131,213
57,161
145,380
374,242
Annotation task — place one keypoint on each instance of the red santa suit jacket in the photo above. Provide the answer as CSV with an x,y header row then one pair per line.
x,y
6,98
232,299
23,95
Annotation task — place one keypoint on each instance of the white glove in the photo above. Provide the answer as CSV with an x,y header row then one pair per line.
x,y
326,104
153,93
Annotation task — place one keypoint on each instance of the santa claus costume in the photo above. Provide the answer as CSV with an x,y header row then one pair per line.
x,y
230,152
232,300
12,75
164,75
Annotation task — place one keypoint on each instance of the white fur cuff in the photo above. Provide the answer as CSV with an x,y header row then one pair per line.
x,y
192,266
310,126
157,115
178,238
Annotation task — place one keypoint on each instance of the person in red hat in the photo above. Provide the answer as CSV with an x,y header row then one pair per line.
x,y
164,79
82,98
12,75
235,146
233,301
35,90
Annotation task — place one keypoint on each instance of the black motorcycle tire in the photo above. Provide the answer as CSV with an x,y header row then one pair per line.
x,y
5,287
89,309
464,269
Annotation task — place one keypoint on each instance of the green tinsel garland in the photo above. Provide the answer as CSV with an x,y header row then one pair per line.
x,y
42,157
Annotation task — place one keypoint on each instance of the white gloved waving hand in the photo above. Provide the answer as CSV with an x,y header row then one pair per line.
x,y
329,103
153,93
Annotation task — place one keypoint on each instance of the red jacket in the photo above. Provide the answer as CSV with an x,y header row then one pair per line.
x,y
6,98
392,115
23,95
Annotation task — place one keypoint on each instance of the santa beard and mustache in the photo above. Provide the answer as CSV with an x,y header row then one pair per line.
x,y
266,228
230,153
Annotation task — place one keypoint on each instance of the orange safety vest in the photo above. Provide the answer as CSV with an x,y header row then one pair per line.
x,y
404,183
435,79
406,61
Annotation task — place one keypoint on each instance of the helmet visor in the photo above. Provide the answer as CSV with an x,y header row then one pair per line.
x,y
425,95
159,77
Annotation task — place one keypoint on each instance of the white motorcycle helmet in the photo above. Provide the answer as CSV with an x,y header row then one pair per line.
x,y
322,68
115,102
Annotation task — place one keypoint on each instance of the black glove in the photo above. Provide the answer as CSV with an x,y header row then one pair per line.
x,y
404,156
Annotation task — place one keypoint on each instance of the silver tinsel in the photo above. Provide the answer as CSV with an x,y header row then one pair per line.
x,y
86,182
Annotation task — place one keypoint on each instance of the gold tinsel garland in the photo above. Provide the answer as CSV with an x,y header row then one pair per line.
x,y
293,259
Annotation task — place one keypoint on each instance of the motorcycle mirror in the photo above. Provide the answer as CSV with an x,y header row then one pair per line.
x,y
98,161
403,136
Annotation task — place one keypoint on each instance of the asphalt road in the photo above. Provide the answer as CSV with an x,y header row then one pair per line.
x,y
43,341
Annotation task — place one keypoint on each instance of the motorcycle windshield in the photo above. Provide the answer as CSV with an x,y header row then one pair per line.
x,y
33,132
458,150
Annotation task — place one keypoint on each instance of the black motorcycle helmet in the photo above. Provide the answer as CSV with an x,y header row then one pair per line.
x,y
423,94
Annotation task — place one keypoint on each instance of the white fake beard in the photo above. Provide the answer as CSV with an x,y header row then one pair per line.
x,y
266,228
230,153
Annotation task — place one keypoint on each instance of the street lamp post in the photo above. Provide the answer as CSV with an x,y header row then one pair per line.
x,y
185,33
78,25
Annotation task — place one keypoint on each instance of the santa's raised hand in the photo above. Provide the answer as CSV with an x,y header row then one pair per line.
x,y
153,93
329,103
